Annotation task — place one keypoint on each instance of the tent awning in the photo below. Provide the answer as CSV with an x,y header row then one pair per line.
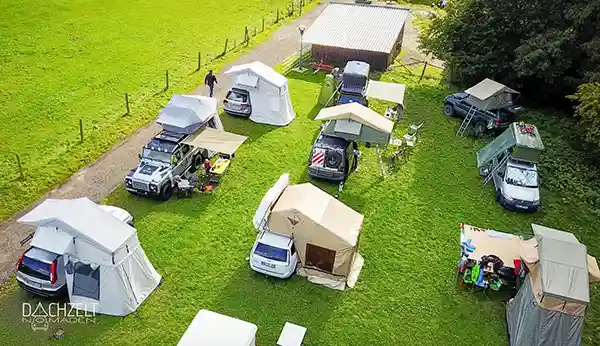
x,y
488,88
391,92
359,113
215,140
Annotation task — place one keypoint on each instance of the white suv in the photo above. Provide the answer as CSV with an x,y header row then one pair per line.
x,y
274,254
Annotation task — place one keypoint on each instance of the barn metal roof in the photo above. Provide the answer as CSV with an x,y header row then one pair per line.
x,y
372,28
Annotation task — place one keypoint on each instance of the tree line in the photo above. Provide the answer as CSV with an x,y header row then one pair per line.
x,y
549,50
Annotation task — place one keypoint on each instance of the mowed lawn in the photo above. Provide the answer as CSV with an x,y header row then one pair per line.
x,y
62,61
406,293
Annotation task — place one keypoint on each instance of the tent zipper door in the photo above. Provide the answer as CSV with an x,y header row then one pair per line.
x,y
466,121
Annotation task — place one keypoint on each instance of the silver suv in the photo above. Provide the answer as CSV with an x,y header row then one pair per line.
x,y
516,184
164,157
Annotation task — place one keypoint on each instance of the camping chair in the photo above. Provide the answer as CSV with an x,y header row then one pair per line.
x,y
415,127
185,187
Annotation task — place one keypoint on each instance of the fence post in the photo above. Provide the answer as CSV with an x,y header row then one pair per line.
x,y
263,24
225,50
166,80
292,11
423,72
199,61
81,130
127,103
246,35
254,31
234,43
19,164
300,8
277,20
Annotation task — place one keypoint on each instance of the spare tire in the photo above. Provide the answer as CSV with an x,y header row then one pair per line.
x,y
333,159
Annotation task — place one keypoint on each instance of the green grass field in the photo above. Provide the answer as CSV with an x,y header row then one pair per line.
x,y
62,61
406,293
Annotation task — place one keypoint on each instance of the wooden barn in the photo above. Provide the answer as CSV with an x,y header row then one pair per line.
x,y
347,31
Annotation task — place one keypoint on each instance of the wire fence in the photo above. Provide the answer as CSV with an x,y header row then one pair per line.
x,y
200,60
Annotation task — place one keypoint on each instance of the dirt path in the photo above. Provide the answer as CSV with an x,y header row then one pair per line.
x,y
99,179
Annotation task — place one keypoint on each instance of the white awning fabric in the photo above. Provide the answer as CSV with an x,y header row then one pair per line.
x,y
391,92
215,140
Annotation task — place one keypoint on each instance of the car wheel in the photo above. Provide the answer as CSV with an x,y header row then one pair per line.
x,y
166,192
197,162
448,110
333,159
479,129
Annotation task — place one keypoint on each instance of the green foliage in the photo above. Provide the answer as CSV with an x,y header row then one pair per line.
x,y
588,111
544,48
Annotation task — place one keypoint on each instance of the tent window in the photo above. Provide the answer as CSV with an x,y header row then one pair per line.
x,y
320,257
86,281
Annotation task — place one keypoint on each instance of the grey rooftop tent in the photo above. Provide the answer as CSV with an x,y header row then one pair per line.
x,y
187,113
355,122
489,94
550,305
525,146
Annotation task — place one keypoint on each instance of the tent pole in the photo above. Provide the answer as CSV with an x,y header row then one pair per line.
x,y
380,160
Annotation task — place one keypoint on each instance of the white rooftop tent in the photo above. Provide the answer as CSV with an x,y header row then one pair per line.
x,y
106,268
325,231
212,329
187,113
269,93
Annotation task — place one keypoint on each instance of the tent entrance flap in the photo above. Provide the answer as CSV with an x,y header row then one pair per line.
x,y
215,140
391,92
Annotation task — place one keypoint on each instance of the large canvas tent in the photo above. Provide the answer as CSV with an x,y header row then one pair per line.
x,y
346,31
525,146
269,93
325,231
107,270
355,122
489,94
550,306
185,114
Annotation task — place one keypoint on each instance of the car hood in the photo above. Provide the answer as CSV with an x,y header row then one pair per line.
x,y
530,194
148,172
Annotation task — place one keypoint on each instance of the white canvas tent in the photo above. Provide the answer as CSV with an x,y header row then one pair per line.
x,y
106,268
489,94
325,231
269,93
187,113
212,329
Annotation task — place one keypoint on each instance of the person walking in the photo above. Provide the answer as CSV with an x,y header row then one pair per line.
x,y
210,80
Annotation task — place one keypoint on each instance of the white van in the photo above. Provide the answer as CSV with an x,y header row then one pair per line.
x,y
274,254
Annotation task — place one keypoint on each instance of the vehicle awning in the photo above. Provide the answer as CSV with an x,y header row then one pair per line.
x,y
51,239
391,92
215,140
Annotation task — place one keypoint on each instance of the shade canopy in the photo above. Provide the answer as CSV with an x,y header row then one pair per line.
x,y
211,328
215,140
187,113
391,92
81,218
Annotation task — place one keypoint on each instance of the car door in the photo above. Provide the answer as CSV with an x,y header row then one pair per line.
x,y
179,167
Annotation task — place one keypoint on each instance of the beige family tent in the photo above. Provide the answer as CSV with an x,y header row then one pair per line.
x,y
550,306
489,94
326,232
355,122
106,268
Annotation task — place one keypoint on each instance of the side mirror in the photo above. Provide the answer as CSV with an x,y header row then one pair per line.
x,y
139,156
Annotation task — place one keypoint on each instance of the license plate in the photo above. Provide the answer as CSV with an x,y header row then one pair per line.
x,y
521,206
234,107
33,283
267,264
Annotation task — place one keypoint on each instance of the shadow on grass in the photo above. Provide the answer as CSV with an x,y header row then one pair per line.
x,y
308,76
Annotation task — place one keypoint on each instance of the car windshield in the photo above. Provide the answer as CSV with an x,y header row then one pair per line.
x,y
271,252
35,268
156,155
524,177
237,96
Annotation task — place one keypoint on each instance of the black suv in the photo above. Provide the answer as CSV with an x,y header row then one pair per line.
x,y
332,158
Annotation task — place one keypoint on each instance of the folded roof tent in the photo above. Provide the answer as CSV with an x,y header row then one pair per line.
x,y
355,122
489,94
550,305
106,268
269,93
325,231
185,114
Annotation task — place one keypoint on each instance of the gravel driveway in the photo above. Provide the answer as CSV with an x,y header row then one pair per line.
x,y
98,180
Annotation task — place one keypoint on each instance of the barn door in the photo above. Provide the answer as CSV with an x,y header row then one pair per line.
x,y
320,257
